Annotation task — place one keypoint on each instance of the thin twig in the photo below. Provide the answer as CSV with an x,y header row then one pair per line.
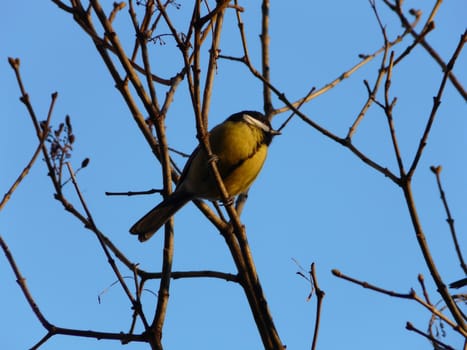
x,y
365,60
407,189
345,142
23,285
421,239
265,57
133,193
212,63
441,346
117,7
388,108
367,285
397,8
421,280
15,63
27,168
437,171
436,104
111,261
319,301
289,118
141,37
409,296
52,329
191,274
381,72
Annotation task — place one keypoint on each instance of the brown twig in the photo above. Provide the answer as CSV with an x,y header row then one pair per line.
x,y
229,277
136,306
52,329
437,171
289,118
397,8
367,285
265,58
55,181
381,72
388,108
441,346
133,193
62,6
409,296
212,63
343,141
125,62
117,7
415,42
155,330
141,37
22,283
365,60
407,190
442,289
81,16
436,103
459,298
319,301
421,280
27,168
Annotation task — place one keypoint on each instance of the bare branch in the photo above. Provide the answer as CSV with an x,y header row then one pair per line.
x,y
437,171
453,308
265,57
319,301
382,71
136,306
388,108
410,296
409,326
27,168
191,274
397,8
436,104
52,329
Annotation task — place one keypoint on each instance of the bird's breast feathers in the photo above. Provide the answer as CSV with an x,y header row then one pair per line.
x,y
241,152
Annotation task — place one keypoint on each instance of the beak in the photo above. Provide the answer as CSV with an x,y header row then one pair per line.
x,y
274,132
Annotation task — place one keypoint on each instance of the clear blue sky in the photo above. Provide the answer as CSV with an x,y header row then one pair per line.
x,y
314,200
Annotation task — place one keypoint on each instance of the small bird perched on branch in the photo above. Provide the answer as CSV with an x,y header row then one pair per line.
x,y
240,144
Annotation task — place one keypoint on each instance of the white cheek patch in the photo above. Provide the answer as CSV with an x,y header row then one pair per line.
x,y
253,121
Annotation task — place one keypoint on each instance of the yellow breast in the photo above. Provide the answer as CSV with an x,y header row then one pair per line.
x,y
241,153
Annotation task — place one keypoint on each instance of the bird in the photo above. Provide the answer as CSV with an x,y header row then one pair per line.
x,y
240,145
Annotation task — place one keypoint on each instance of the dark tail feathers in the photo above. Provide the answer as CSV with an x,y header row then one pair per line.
x,y
148,225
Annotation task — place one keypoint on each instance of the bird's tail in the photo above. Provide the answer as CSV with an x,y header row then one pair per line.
x,y
148,225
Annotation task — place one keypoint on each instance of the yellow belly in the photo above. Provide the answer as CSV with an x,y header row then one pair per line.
x,y
240,159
